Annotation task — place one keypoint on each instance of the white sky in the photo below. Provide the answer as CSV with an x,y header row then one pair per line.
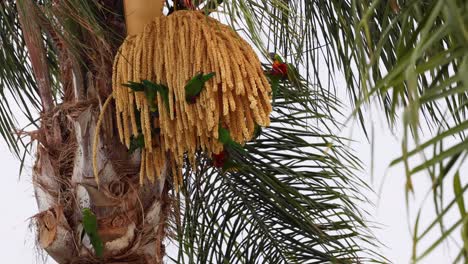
x,y
18,204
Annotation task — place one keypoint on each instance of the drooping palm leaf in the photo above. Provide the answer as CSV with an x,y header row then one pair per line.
x,y
72,32
414,56
291,207
290,199
17,83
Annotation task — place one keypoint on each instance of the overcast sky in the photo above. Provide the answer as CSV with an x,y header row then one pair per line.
x,y
18,204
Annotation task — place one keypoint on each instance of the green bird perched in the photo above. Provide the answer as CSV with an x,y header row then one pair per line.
x,y
223,160
257,131
281,71
194,87
137,142
90,226
228,142
278,72
162,89
150,89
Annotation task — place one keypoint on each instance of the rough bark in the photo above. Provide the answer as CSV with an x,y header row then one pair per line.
x,y
131,218
28,18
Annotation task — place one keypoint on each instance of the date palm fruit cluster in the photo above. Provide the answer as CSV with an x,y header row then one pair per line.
x,y
180,82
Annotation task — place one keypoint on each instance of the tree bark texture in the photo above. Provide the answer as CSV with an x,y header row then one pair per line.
x,y
131,218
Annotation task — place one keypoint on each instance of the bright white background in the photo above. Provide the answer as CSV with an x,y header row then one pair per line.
x,y
17,203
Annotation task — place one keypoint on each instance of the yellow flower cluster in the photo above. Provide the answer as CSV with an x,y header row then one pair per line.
x,y
170,51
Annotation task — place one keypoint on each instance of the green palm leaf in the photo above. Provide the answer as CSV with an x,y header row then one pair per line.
x,y
293,198
290,201
415,60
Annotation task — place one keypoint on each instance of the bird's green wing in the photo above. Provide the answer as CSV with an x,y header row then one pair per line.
x,y
208,76
274,82
161,89
225,138
135,86
224,135
90,226
136,143
196,84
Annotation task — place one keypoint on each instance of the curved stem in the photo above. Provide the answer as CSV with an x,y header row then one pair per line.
x,y
37,53
96,137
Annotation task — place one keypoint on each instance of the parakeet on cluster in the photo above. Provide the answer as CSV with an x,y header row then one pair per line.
x,y
194,86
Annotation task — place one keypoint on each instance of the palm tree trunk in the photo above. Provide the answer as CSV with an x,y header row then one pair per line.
x,y
131,218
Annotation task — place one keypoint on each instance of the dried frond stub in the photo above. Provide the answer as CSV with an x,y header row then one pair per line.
x,y
170,52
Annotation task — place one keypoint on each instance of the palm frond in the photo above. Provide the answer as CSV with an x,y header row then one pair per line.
x,y
415,58
16,78
291,198
69,42
411,55
294,197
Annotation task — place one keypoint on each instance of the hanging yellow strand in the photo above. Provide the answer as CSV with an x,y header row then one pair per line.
x,y
170,51
96,137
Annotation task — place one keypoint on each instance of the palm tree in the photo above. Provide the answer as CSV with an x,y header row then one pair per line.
x,y
292,194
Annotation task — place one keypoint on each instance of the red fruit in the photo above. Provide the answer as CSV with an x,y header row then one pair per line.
x,y
279,69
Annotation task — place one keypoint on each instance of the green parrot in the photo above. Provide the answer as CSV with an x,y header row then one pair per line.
x,y
150,89
162,89
90,226
281,71
228,142
136,143
275,57
257,131
222,160
194,87
277,73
